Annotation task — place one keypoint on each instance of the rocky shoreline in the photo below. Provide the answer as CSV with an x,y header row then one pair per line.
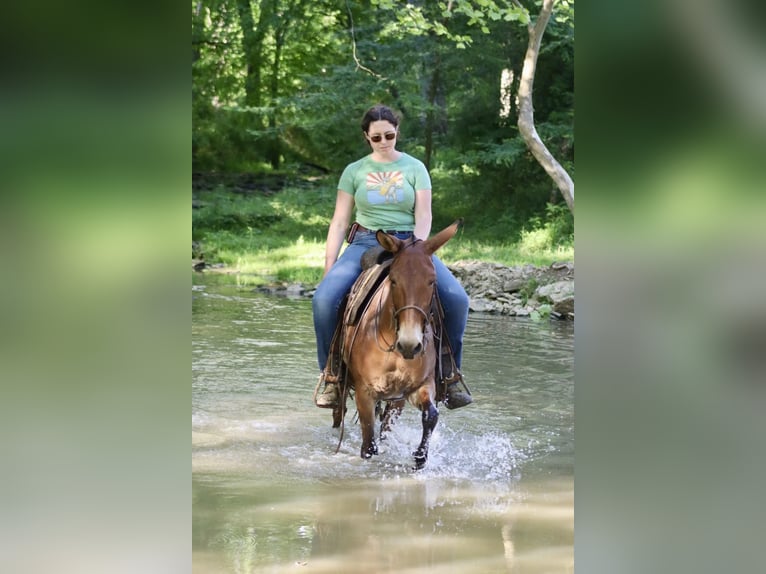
x,y
525,291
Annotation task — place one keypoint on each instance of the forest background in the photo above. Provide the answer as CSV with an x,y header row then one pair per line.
x,y
279,88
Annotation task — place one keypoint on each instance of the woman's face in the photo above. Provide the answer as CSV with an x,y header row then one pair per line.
x,y
385,133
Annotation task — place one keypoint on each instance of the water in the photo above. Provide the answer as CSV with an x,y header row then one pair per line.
x,y
270,495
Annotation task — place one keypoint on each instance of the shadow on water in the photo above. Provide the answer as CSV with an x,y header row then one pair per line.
x,y
269,495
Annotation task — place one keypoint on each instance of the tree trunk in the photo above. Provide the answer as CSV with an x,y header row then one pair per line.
x,y
275,150
252,42
526,110
430,126
198,31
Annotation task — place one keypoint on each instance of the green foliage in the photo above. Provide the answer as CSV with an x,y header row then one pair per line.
x,y
555,232
289,88
528,290
263,238
541,313
537,239
560,222
232,214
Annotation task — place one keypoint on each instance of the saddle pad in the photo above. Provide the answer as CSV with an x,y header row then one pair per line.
x,y
362,289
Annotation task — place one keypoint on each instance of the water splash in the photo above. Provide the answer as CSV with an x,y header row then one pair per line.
x,y
454,453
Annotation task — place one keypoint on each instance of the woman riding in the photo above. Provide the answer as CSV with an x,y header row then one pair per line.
x,y
391,190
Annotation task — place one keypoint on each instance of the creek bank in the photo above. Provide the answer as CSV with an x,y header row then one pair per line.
x,y
518,291
523,291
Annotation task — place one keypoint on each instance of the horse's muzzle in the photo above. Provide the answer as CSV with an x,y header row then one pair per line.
x,y
409,351
410,332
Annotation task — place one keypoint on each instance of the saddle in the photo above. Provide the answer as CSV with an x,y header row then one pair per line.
x,y
363,289
376,263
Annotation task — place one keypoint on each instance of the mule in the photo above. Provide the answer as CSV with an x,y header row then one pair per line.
x,y
390,354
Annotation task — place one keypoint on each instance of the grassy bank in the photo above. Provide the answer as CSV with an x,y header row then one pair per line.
x,y
267,236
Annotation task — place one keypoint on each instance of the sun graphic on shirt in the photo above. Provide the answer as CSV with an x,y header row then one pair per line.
x,y
387,185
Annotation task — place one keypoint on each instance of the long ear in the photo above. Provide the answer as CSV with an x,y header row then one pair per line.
x,y
389,242
435,242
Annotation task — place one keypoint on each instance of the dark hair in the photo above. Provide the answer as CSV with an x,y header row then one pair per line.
x,y
377,113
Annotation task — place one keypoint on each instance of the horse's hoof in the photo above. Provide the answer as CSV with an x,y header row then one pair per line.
x,y
368,452
420,459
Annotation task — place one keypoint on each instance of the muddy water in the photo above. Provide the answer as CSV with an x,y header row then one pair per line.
x,y
270,495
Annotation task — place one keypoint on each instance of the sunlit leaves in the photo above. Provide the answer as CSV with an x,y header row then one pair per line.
x,y
340,57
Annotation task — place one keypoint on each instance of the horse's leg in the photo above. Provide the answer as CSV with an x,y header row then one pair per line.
x,y
365,406
429,417
338,412
392,412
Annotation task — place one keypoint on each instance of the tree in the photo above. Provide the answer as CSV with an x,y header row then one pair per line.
x,y
526,121
282,84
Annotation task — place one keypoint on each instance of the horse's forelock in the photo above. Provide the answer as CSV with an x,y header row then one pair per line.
x,y
413,258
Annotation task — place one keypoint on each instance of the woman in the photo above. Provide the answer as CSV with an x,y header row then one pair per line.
x,y
391,190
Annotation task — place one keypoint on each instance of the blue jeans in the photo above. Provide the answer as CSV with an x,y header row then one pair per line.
x,y
347,268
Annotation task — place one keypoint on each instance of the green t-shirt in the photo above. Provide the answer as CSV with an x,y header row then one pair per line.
x,y
384,193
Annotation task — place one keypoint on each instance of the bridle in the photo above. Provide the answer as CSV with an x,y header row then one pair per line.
x,y
418,309
426,317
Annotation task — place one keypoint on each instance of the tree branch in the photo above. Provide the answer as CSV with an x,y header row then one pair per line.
x,y
353,46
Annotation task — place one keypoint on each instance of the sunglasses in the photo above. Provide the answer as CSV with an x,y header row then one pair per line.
x,y
377,138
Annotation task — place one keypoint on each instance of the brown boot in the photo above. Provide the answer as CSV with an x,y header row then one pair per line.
x,y
455,395
329,398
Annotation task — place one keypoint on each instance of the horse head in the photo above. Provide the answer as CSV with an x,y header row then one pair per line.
x,y
412,280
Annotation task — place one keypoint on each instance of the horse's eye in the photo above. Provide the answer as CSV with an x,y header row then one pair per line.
x,y
393,283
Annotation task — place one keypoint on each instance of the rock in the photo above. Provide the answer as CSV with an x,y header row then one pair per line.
x,y
513,285
495,288
267,289
555,291
565,265
559,294
479,305
566,306
294,290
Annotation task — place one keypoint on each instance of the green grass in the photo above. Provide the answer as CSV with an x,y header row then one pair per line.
x,y
279,238
510,254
